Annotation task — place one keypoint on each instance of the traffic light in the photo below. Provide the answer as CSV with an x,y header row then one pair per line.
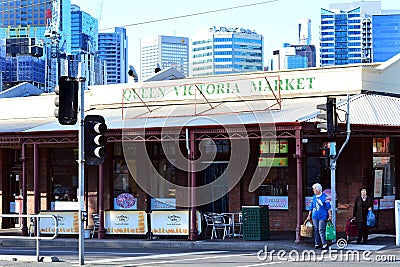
x,y
66,101
324,157
328,116
95,140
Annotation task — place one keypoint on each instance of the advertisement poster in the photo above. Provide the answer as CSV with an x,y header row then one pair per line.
x,y
163,203
172,222
274,202
387,202
125,222
378,183
68,222
125,201
273,162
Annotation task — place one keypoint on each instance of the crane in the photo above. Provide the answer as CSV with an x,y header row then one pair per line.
x,y
53,33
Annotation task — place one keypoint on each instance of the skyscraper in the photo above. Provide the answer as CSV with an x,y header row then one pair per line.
x,y
385,36
84,31
113,49
84,45
226,50
163,52
340,37
346,33
305,32
29,22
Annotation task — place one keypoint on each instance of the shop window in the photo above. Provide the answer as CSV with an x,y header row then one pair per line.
x,y
380,145
384,182
274,189
64,177
125,187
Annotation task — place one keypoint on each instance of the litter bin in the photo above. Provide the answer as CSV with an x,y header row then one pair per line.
x,y
255,222
86,233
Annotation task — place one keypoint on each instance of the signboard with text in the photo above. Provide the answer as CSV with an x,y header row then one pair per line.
x,y
174,222
125,222
68,222
274,202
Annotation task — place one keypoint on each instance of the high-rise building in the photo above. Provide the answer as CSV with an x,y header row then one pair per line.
x,y
305,32
34,21
341,37
84,46
84,31
346,32
163,52
293,57
226,50
307,51
385,35
113,49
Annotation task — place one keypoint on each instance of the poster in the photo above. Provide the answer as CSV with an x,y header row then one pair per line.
x,y
274,202
174,222
378,183
68,222
125,222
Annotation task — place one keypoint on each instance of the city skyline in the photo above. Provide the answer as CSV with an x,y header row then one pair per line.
x,y
258,17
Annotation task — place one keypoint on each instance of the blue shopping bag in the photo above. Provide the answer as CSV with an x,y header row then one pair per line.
x,y
371,218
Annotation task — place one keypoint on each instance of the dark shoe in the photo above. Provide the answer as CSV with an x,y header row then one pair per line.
x,y
325,246
317,246
365,242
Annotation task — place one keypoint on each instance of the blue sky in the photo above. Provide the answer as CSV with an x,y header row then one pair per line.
x,y
276,20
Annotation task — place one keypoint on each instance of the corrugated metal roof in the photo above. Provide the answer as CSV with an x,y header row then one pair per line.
x,y
20,125
364,109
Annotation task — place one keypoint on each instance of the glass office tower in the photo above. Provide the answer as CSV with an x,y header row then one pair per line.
x,y
385,36
226,50
113,49
341,37
163,52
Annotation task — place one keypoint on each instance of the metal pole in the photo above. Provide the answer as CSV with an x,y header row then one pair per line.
x,y
81,168
333,159
299,160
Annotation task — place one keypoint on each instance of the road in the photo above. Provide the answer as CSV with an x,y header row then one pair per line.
x,y
203,258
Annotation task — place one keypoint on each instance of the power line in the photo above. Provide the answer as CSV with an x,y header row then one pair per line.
x,y
193,14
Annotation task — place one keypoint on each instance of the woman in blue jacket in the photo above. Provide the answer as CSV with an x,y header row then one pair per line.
x,y
320,212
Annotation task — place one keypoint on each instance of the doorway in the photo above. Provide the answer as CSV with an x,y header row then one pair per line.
x,y
210,174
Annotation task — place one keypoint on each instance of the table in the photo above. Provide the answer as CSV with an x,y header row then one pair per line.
x,y
233,223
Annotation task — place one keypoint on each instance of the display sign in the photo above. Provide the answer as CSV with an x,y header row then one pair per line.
x,y
308,202
12,207
378,183
385,203
125,201
68,222
274,202
274,146
125,222
174,222
64,205
163,203
273,162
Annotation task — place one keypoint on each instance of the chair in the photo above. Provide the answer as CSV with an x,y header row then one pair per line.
x,y
32,226
209,223
96,221
219,223
239,224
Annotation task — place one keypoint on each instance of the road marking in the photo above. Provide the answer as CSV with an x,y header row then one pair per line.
x,y
152,257
74,252
192,259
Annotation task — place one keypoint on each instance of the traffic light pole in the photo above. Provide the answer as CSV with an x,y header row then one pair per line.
x,y
333,159
81,164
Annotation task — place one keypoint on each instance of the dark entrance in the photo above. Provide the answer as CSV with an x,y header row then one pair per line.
x,y
210,174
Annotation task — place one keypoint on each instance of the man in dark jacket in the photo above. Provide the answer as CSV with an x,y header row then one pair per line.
x,y
362,205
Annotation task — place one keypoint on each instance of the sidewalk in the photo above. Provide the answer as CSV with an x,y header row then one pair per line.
x,y
278,241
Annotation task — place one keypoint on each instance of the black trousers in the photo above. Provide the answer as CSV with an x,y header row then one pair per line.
x,y
362,232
